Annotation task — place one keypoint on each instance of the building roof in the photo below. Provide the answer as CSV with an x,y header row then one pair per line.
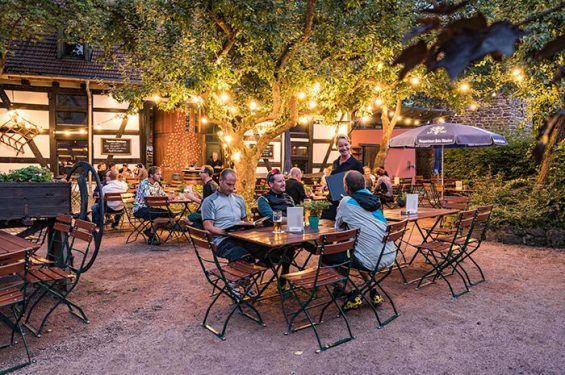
x,y
39,58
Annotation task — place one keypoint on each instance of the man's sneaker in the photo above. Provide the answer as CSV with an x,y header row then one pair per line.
x,y
154,241
354,301
376,298
147,233
233,290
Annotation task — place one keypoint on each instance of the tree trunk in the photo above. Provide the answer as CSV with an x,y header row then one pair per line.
x,y
388,127
554,137
246,177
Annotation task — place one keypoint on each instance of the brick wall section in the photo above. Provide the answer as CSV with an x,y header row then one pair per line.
x,y
499,115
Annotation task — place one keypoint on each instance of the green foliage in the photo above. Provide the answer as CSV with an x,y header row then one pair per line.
x,y
520,204
510,162
316,207
27,174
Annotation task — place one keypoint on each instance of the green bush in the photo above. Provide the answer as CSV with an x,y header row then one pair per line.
x,y
520,204
511,161
27,174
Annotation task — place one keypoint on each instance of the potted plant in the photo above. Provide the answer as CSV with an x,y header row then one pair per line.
x,y
315,209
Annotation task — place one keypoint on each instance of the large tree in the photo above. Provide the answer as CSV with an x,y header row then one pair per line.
x,y
257,68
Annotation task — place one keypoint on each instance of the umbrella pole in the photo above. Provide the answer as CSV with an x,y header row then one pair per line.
x,y
442,185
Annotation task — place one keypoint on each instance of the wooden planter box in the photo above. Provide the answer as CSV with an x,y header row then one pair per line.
x,y
32,200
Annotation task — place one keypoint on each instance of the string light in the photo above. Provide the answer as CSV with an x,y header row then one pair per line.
x,y
391,113
408,121
493,94
303,120
301,95
253,105
378,88
464,87
416,122
399,117
365,119
236,156
312,104
224,97
228,138
317,87
379,102
203,120
156,98
441,120
473,107
415,81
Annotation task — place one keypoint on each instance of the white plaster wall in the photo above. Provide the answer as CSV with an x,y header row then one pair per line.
x,y
106,101
324,131
134,147
28,97
319,152
111,121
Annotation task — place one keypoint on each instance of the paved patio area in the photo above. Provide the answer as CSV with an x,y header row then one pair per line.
x,y
146,307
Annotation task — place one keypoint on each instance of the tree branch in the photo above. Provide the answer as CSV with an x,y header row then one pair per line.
x,y
291,49
231,34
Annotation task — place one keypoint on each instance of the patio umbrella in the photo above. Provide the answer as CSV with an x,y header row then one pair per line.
x,y
446,135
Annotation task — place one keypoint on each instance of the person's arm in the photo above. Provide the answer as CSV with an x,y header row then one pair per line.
x,y
302,192
209,226
264,208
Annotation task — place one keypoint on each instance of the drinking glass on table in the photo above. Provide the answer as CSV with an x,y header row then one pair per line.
x,y
277,221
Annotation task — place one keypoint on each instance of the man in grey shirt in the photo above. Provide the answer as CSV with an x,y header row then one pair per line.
x,y
224,209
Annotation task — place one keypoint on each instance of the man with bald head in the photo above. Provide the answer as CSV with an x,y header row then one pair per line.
x,y
294,186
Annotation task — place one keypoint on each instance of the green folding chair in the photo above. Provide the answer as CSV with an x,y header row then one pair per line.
x,y
372,280
226,279
59,282
13,296
306,286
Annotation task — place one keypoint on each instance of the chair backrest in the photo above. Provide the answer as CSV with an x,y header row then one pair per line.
x,y
57,249
337,242
464,226
256,214
12,263
157,202
205,250
482,221
113,197
80,241
394,233
455,202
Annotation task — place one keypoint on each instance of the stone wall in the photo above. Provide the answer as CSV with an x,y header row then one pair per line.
x,y
501,114
552,237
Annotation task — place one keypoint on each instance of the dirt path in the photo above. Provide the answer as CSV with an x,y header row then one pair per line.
x,y
146,307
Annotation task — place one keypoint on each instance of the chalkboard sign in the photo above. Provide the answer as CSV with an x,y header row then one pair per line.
x,y
116,146
268,151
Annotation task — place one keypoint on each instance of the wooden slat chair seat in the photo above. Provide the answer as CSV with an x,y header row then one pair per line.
x,y
365,280
13,296
226,278
54,256
58,282
445,255
314,280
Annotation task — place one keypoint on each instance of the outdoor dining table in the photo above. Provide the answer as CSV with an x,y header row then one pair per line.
x,y
277,242
11,244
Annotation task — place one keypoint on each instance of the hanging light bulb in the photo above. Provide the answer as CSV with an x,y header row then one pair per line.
x,y
253,105
204,120
228,138
415,81
416,122
236,156
379,102
312,104
224,97
301,95
464,87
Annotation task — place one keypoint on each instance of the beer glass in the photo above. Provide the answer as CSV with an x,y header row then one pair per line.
x,y
277,221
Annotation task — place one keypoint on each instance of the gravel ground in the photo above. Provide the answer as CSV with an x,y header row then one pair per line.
x,y
146,307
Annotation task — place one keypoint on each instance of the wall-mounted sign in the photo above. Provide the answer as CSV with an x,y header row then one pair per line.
x,y
116,146
268,152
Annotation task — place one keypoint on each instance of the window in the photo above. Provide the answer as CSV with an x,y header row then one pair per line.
x,y
76,50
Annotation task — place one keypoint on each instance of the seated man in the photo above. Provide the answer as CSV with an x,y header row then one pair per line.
x,y
224,209
117,207
149,187
294,186
210,186
361,209
275,199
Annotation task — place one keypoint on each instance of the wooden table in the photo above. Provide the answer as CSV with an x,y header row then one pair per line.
x,y
266,237
10,244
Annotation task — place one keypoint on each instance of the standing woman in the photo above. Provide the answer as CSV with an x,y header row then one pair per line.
x,y
345,162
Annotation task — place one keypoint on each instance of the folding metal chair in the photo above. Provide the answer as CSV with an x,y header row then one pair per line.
x,y
226,278
373,279
171,222
137,225
480,230
445,254
13,296
313,280
447,225
59,282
